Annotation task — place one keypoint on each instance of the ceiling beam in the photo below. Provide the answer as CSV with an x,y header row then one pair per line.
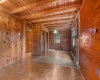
x,y
66,16
58,22
30,6
51,12
48,4
58,27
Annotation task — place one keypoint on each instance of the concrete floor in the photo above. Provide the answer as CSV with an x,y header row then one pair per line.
x,y
30,70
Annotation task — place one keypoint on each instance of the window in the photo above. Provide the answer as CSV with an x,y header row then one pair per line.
x,y
73,37
57,38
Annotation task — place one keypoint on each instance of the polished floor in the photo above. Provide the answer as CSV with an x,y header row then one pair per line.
x,y
31,70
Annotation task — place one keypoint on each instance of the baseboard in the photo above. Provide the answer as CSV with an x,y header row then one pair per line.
x,y
82,74
75,60
77,64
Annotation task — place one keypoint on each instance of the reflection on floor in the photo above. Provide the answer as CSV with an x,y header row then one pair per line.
x,y
31,70
59,54
60,58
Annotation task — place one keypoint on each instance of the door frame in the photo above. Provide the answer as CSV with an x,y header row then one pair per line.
x,y
77,46
46,46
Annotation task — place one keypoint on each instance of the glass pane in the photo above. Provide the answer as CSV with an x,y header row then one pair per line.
x,y
57,38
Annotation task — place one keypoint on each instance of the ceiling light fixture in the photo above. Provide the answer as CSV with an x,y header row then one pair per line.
x,y
1,1
55,32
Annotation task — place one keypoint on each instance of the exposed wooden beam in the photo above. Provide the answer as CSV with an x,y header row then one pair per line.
x,y
31,6
57,22
51,5
67,26
51,12
52,18
59,25
53,25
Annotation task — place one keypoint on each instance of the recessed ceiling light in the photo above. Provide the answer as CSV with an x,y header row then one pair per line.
x,y
1,1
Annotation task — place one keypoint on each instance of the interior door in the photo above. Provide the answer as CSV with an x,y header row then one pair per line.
x,y
29,41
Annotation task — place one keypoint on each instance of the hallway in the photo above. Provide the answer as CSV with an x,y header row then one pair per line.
x,y
31,70
49,39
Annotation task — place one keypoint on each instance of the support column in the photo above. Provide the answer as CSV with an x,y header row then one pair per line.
x,y
48,40
45,43
24,39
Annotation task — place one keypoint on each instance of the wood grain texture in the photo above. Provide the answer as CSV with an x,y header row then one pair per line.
x,y
89,42
36,40
13,4
29,36
49,4
65,43
11,37
33,10
52,12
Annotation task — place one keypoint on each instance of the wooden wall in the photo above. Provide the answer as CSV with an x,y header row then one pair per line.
x,y
29,36
11,38
89,42
33,39
36,40
65,40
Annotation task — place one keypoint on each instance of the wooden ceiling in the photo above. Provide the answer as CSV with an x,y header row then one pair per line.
x,y
44,11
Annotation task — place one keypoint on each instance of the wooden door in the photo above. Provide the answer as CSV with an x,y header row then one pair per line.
x,y
29,35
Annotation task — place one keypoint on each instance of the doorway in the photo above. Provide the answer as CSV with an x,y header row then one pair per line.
x,y
29,41
44,42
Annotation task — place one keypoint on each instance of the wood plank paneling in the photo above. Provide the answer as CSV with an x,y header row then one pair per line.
x,y
65,43
36,40
30,10
29,36
51,12
89,42
11,37
13,4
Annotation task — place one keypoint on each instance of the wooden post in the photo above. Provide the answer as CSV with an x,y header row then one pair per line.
x,y
24,39
48,40
45,43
